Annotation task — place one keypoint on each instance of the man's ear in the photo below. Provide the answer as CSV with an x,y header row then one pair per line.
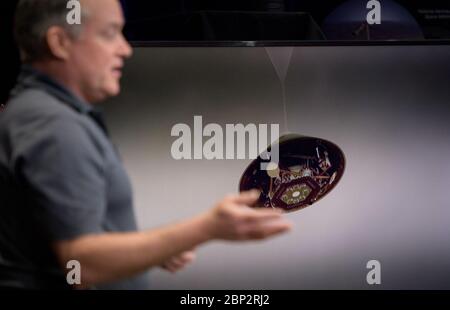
x,y
59,42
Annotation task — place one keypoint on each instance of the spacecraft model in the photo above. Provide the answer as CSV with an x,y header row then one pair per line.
x,y
308,169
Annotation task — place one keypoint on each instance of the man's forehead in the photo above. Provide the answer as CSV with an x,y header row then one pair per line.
x,y
109,11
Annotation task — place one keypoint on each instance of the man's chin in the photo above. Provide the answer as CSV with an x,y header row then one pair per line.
x,y
105,94
111,91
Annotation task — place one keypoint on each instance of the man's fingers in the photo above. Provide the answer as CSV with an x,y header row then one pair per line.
x,y
184,258
188,256
270,228
178,262
173,266
247,198
260,214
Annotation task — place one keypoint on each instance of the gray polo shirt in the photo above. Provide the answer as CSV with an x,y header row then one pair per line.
x,y
60,178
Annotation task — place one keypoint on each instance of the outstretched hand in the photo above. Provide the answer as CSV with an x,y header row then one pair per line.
x,y
234,219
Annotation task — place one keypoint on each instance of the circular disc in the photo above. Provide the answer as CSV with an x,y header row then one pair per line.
x,y
308,169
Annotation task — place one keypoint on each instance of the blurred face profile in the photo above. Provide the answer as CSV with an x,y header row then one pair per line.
x,y
97,55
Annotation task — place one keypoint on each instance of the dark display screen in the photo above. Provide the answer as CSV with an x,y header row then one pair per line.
x,y
276,21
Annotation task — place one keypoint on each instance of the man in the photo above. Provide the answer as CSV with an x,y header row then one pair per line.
x,y
64,193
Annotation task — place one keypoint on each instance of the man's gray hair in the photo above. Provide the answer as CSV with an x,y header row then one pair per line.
x,y
33,18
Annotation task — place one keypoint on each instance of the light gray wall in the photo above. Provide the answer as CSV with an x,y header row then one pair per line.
x,y
386,107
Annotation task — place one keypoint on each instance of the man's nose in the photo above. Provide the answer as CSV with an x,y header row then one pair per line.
x,y
125,49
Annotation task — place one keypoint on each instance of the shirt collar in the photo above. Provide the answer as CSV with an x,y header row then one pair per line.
x,y
30,77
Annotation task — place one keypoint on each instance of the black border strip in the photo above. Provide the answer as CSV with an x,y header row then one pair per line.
x,y
360,299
